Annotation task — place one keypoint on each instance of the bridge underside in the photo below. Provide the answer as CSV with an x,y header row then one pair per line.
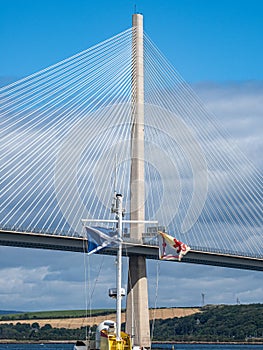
x,y
78,244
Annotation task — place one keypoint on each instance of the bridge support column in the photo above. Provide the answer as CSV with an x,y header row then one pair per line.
x,y
137,312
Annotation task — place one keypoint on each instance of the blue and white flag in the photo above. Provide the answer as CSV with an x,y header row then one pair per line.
x,y
99,238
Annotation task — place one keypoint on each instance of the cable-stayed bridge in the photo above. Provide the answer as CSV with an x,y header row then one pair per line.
x,y
118,118
65,144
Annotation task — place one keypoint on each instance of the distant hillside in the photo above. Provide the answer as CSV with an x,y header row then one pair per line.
x,y
215,323
77,319
212,323
52,314
9,312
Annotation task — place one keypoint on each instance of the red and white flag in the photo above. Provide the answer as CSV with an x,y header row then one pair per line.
x,y
169,246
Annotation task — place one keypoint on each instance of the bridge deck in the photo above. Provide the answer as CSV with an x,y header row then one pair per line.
x,y
78,244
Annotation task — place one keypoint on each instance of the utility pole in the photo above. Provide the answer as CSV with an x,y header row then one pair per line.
x,y
203,299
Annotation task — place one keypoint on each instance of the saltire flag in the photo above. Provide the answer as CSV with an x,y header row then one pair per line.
x,y
169,246
99,238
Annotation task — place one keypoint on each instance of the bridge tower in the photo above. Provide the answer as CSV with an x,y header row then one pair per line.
x,y
137,312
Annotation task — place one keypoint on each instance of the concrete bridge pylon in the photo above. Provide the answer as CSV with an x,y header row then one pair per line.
x,y
137,311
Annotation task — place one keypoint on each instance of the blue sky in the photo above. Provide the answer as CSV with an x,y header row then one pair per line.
x,y
217,47
204,40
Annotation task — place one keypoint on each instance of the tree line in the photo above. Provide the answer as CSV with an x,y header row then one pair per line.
x,y
214,323
237,323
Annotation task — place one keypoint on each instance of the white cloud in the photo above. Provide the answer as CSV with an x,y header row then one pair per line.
x,y
55,280
237,106
182,285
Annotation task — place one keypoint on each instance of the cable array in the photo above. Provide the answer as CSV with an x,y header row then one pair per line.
x,y
221,206
65,147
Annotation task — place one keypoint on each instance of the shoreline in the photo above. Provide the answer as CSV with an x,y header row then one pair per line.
x,y
210,342
12,341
